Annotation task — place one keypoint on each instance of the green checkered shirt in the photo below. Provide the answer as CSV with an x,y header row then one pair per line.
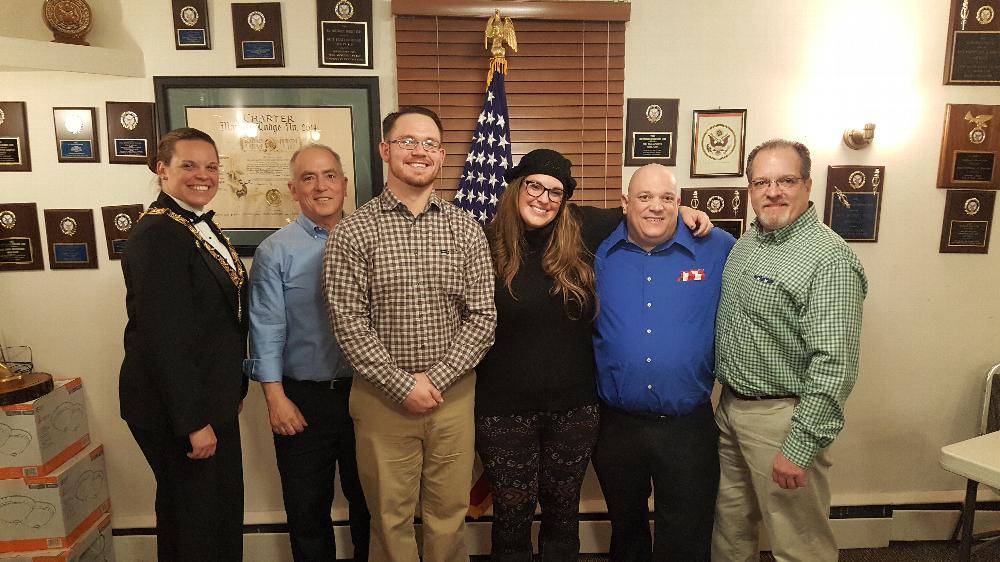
x,y
789,322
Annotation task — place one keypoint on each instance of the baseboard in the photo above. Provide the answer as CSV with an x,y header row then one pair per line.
x,y
269,542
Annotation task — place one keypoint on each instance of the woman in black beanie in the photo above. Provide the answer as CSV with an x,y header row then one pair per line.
x,y
536,393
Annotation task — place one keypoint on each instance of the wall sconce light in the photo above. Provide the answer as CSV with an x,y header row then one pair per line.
x,y
856,139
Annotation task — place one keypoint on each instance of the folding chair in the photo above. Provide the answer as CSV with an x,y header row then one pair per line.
x,y
989,422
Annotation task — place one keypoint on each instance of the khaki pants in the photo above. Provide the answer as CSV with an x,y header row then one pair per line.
x,y
797,521
403,458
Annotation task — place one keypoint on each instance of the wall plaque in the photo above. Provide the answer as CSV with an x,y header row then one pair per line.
x,y
257,35
345,33
76,134
973,55
15,154
853,205
131,132
651,132
191,29
20,240
118,223
70,234
726,206
969,147
968,220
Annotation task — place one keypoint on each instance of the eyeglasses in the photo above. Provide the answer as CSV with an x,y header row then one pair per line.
x,y
783,184
536,190
410,143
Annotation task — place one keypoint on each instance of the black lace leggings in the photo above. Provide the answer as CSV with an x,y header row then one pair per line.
x,y
537,457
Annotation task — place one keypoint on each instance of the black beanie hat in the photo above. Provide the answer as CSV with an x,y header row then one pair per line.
x,y
544,161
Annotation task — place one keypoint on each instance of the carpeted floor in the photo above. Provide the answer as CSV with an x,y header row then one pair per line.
x,y
931,551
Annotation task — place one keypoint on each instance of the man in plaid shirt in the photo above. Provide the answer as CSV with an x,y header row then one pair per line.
x,y
787,340
409,289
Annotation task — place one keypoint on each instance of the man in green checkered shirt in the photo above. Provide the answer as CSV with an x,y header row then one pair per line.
x,y
787,339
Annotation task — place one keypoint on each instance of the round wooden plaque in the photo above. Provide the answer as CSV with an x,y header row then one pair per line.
x,y
25,388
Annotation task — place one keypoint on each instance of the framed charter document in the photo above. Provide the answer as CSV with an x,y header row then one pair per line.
x,y
717,142
258,123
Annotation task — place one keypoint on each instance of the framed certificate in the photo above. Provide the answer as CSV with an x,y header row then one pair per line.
x,y
717,142
258,123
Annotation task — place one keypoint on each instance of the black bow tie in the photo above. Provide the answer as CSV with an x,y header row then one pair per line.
x,y
203,217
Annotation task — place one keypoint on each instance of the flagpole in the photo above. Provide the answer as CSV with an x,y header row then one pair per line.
x,y
489,156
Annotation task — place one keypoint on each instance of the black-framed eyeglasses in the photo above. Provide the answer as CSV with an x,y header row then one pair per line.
x,y
784,184
410,143
536,190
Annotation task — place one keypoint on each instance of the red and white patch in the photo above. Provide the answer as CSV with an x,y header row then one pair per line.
x,y
692,275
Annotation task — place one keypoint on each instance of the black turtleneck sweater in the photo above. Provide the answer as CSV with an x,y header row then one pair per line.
x,y
542,360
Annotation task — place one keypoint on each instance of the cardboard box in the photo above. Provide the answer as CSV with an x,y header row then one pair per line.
x,y
54,511
37,437
94,546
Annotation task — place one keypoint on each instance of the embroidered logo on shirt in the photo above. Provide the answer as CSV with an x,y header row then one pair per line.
x,y
763,279
692,275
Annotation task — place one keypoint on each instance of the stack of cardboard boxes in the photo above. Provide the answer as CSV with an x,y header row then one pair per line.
x,y
54,503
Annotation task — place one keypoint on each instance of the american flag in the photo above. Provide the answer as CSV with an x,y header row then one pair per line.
x,y
489,156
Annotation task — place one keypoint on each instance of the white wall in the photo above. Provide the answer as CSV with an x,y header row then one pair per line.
x,y
804,70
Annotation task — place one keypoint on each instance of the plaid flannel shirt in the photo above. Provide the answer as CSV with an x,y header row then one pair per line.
x,y
409,294
789,322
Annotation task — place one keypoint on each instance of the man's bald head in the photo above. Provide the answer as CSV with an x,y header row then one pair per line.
x,y
651,206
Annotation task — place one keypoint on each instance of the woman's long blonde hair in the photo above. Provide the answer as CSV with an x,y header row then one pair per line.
x,y
563,259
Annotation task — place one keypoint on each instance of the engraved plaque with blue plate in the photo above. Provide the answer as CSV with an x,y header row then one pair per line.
x,y
76,149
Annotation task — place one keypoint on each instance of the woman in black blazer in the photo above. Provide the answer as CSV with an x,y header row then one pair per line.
x,y
181,386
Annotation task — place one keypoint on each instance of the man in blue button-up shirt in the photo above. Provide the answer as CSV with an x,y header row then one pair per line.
x,y
654,345
305,377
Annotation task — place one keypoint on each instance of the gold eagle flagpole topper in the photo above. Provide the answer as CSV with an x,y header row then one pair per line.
x,y
499,30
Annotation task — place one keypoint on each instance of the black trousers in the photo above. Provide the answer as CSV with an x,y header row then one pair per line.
x,y
199,503
532,458
307,464
680,457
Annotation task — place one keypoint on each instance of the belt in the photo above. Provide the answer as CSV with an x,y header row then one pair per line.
x,y
338,384
641,415
740,396
341,384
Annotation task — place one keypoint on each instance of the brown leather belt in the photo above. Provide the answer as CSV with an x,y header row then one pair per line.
x,y
740,396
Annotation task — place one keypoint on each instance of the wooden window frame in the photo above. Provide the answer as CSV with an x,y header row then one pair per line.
x,y
565,86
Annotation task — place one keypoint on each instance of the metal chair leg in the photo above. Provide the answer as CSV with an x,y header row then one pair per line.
x,y
968,518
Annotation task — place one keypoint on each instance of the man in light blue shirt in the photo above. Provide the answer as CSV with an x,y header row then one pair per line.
x,y
305,378
654,345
